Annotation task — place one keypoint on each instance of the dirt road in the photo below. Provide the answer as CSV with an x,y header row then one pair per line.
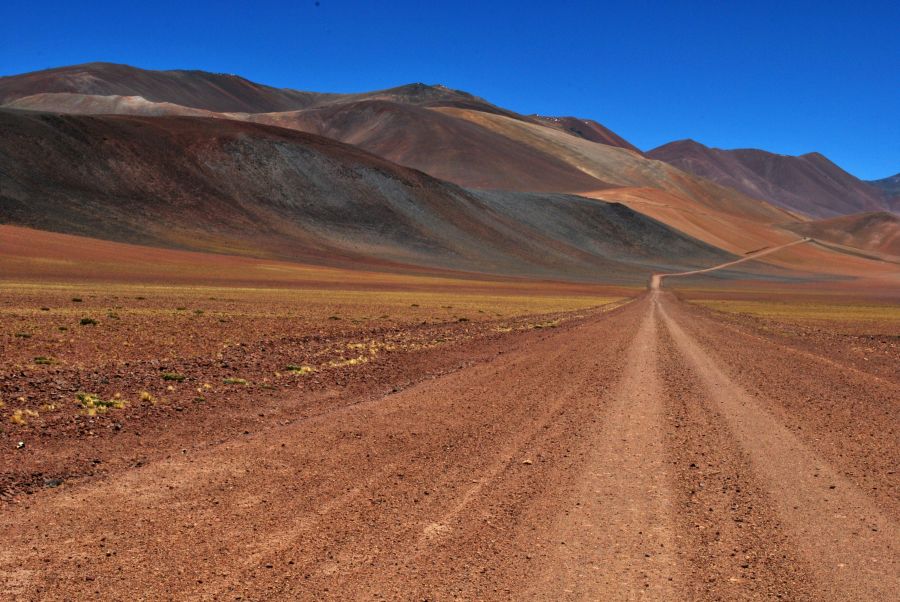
x,y
656,279
622,458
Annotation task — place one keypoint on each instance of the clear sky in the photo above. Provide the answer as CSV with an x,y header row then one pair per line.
x,y
790,77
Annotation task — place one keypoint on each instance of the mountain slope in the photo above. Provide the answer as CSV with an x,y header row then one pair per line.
x,y
393,123
809,184
879,231
438,144
890,186
250,189
195,89
587,129
214,92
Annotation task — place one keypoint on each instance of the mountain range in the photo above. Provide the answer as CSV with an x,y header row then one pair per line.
x,y
415,176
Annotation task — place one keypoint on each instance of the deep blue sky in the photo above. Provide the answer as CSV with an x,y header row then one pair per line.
x,y
790,77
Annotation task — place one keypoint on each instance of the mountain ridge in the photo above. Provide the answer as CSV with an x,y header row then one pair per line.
x,y
810,183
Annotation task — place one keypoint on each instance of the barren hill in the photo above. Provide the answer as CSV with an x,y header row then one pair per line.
x,y
250,189
809,184
877,231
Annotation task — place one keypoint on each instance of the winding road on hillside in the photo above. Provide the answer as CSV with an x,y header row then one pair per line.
x,y
656,279
642,453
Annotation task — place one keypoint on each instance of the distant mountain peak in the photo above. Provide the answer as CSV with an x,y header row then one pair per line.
x,y
811,183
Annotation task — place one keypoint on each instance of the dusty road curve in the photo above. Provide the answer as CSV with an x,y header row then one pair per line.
x,y
618,459
656,279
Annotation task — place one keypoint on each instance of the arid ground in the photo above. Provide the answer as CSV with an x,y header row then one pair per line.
x,y
259,343
416,438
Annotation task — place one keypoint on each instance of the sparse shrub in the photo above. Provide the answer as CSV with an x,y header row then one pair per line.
x,y
198,312
301,370
234,381
23,335
88,322
414,305
93,404
42,360
146,396
180,308
76,299
45,309
334,317
140,298
21,417
63,328
112,315
173,376
463,320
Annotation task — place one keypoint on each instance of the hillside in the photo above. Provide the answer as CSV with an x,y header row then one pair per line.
x,y
213,92
878,231
255,190
451,135
891,184
587,129
808,184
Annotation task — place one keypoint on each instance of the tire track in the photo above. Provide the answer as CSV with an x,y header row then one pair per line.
x,y
850,545
734,546
620,541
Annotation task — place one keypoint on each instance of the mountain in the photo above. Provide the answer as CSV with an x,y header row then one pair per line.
x,y
891,187
439,144
213,92
809,184
462,141
96,104
878,231
194,89
890,184
257,190
587,129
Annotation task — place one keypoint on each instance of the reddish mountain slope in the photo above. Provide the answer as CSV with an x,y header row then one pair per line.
x,y
216,92
891,188
809,184
587,129
195,89
438,144
396,123
250,189
879,231
95,104
890,185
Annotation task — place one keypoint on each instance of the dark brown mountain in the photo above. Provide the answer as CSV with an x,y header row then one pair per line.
x,y
251,189
809,184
